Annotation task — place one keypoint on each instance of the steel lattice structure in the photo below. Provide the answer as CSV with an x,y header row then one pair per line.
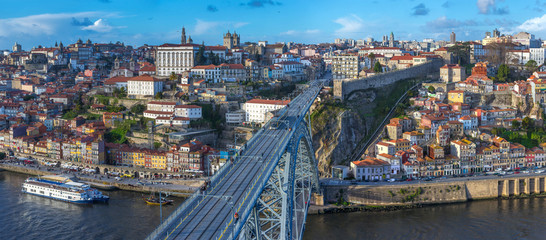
x,y
264,193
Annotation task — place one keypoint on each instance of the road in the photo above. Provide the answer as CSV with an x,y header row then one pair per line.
x,y
212,214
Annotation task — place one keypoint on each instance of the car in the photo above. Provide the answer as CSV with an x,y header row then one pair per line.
x,y
539,171
409,180
391,180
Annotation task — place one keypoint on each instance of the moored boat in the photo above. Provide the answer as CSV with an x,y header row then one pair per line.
x,y
63,189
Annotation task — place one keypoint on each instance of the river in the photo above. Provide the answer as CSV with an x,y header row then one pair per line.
x,y
488,219
24,216
126,216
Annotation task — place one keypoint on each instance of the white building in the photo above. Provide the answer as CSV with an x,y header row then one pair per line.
x,y
173,121
175,58
371,169
290,67
537,54
188,111
157,114
286,57
161,106
236,117
256,109
144,85
221,73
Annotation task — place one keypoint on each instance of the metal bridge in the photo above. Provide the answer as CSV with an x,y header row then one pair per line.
x,y
268,185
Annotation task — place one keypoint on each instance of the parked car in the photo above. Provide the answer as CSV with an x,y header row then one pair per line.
x,y
391,180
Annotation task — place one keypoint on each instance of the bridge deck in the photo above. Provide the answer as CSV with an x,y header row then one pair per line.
x,y
211,216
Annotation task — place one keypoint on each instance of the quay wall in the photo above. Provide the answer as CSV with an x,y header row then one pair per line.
x,y
344,87
435,193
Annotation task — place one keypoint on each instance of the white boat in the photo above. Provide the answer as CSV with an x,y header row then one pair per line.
x,y
64,190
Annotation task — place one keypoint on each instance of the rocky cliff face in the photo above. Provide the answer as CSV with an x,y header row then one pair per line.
x,y
336,138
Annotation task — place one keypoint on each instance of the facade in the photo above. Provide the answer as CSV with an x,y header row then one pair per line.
x,y
188,111
144,85
176,58
345,66
256,109
371,169
452,73
231,40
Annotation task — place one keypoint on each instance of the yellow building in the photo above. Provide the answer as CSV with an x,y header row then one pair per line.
x,y
456,96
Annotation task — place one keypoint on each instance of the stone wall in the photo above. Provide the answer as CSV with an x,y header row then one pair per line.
x,y
343,88
434,193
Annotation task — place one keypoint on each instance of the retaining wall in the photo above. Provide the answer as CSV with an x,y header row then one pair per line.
x,y
344,87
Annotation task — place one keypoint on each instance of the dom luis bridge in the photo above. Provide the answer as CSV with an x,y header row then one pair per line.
x,y
264,192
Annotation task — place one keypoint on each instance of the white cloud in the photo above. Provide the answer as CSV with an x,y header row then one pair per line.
x,y
484,5
306,32
42,24
349,25
203,27
100,26
534,25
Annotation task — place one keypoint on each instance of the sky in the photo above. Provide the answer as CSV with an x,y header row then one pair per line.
x,y
137,22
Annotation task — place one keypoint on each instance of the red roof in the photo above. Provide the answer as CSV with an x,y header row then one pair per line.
x,y
162,103
272,102
148,68
187,106
145,77
114,80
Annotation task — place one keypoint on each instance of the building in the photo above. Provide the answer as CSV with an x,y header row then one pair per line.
x,y
345,66
144,85
161,106
175,58
231,41
371,169
452,38
110,118
188,111
452,73
456,96
256,109
237,117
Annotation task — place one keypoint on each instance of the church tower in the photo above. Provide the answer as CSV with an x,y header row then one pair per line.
x,y
236,39
183,37
190,41
391,41
228,40
116,63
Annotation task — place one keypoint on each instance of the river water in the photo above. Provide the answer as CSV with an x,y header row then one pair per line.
x,y
24,216
126,216
488,219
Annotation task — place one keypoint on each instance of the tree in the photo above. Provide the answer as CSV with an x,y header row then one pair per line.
x,y
138,109
157,145
531,65
515,124
158,95
527,122
503,73
377,67
371,56
173,76
431,89
200,58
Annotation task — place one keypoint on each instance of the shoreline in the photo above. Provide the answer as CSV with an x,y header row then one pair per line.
x,y
106,185
335,209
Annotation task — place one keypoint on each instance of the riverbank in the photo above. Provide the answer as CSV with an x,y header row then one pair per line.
x,y
106,183
349,198
333,208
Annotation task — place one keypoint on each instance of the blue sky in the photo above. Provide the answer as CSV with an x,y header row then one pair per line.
x,y
136,22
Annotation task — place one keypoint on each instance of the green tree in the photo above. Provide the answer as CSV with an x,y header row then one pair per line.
x,y
527,122
28,97
200,58
515,124
173,76
158,95
138,108
531,65
503,73
377,67
157,145
431,89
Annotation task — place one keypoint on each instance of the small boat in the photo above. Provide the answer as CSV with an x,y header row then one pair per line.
x,y
153,200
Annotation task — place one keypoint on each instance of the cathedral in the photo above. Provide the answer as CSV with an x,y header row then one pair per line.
x,y
183,37
231,41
